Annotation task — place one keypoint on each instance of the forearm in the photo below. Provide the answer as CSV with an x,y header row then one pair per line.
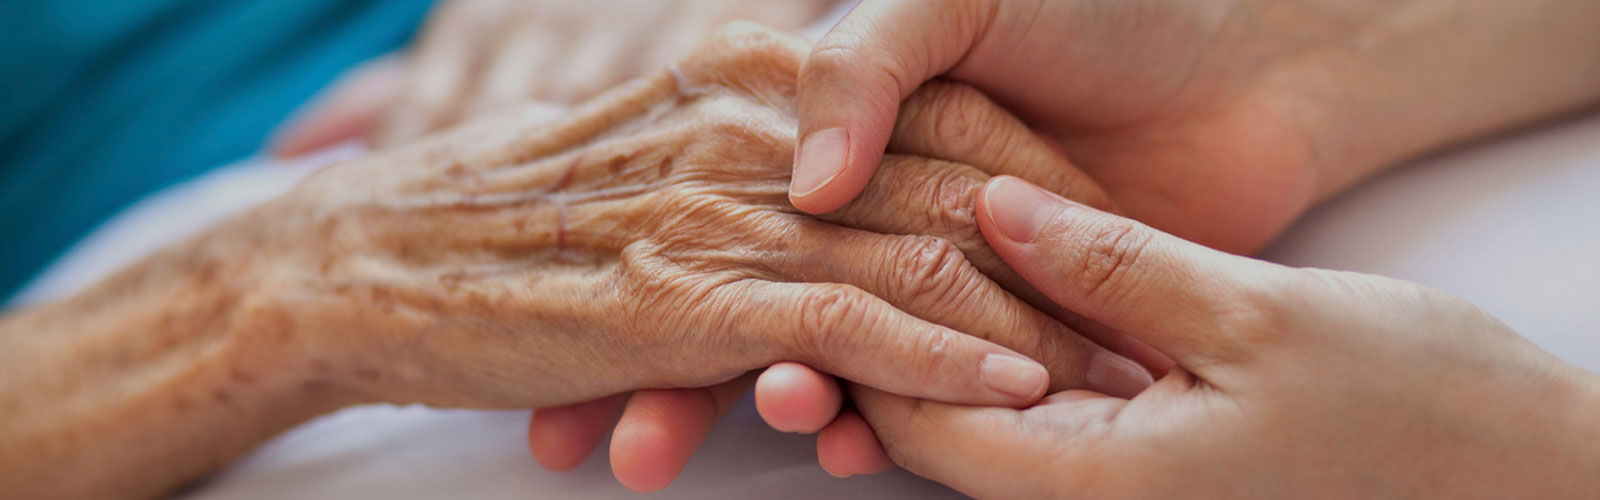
x,y
154,378
1583,441
1429,74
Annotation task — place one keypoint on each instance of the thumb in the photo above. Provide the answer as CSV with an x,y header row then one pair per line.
x,y
851,85
1177,296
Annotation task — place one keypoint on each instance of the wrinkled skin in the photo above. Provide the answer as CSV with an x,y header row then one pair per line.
x,y
644,241
1217,121
911,195
617,248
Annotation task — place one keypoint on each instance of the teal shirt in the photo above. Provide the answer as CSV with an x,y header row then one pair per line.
x,y
104,101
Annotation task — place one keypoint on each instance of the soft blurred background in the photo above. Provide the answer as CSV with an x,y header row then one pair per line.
x,y
104,101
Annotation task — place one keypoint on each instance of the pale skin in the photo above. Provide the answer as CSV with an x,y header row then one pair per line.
x,y
1282,104
1290,382
642,242
1216,121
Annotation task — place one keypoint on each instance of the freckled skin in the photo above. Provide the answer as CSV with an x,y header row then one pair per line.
x,y
644,241
648,212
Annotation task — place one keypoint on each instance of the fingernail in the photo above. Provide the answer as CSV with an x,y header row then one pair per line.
x,y
1115,375
1013,376
820,159
1020,209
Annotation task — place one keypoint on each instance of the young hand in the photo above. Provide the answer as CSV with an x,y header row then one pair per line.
x,y
1290,382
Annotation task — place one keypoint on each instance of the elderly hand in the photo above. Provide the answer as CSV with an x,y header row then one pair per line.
x,y
643,242
659,429
1290,382
481,57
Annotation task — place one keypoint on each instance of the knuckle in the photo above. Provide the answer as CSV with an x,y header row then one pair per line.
x,y
953,203
1253,316
962,119
933,270
931,355
739,50
830,57
832,316
1261,311
1109,264
834,65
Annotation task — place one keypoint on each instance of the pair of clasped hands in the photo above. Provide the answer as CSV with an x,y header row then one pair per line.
x,y
1192,129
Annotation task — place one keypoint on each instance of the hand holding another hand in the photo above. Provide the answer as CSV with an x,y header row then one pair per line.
x,y
1218,122
645,242
1289,382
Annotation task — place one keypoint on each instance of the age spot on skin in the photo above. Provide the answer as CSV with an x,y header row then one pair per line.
x,y
665,168
618,161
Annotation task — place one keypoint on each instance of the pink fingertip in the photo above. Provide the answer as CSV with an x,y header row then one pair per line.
x,y
848,447
792,397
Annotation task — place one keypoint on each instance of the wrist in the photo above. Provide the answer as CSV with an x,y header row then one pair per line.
x,y
1561,433
150,379
1423,76
298,321
1584,421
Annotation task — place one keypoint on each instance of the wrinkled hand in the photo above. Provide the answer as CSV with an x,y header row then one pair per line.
x,y
646,242
1194,118
1290,382
1217,121
659,430
482,57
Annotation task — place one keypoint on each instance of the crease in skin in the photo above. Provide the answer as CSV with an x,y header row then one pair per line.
x,y
407,276
566,174
561,226
658,134
510,264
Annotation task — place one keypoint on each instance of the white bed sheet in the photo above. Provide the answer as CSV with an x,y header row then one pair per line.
x,y
1512,225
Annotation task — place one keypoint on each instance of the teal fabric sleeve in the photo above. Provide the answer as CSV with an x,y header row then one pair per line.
x,y
103,101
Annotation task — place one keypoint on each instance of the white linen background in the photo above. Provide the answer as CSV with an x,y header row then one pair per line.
x,y
1511,224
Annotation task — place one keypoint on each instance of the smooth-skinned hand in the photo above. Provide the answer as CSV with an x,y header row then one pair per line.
x,y
1290,382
